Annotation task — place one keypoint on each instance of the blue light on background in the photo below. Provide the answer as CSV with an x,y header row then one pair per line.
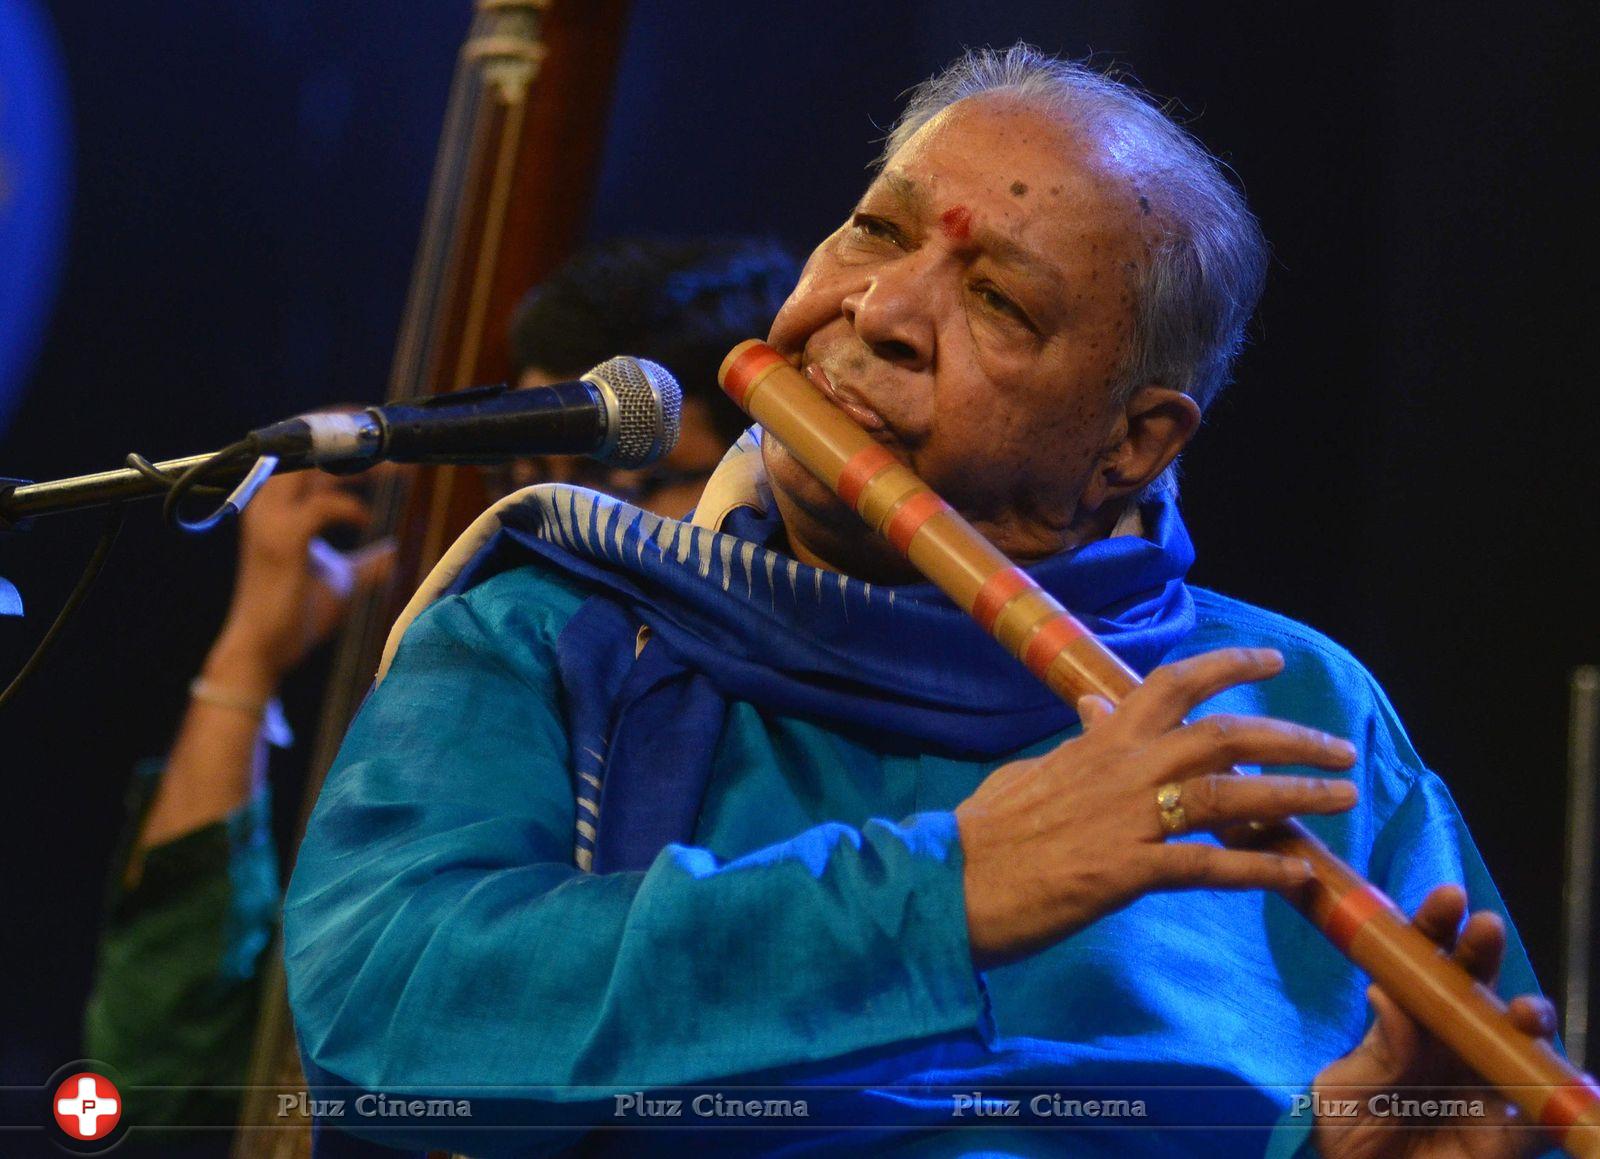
x,y
35,187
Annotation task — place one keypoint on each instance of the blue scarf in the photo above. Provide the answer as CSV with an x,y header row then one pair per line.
x,y
729,619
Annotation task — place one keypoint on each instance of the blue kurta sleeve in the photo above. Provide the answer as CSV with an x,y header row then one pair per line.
x,y
438,935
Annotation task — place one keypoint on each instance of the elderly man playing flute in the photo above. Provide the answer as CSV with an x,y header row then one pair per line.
x,y
645,815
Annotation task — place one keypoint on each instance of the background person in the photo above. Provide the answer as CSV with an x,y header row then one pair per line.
x,y
196,894
678,301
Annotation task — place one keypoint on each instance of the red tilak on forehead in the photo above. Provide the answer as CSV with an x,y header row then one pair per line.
x,y
956,222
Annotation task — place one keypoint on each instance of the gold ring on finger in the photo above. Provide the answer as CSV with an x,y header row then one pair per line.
x,y
1169,800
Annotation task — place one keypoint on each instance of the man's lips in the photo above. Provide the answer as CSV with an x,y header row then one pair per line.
x,y
847,401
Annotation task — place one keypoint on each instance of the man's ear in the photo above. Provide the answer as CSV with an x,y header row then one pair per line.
x,y
1155,425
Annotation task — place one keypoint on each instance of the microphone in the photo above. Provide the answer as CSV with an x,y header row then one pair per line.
x,y
624,412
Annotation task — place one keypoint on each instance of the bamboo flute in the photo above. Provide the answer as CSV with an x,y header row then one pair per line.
x,y
1352,913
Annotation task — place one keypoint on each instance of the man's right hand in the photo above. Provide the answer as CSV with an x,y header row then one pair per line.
x,y
1055,842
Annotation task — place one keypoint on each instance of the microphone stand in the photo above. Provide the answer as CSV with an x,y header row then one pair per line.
x,y
20,500
625,411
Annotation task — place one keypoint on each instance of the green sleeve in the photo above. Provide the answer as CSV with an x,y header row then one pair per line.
x,y
173,1004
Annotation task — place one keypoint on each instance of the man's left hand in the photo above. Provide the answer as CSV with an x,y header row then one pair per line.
x,y
1359,1098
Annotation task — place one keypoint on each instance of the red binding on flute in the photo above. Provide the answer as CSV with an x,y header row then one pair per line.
x,y
1352,913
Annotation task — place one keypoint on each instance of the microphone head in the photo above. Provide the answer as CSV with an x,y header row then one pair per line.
x,y
643,407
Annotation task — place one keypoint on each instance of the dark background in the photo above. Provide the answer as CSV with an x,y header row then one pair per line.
x,y
1406,461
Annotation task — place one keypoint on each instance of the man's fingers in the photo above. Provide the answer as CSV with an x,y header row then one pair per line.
x,y
1534,1015
1478,945
1163,700
1395,1038
1224,799
1481,945
1216,743
1191,865
1439,916
1092,710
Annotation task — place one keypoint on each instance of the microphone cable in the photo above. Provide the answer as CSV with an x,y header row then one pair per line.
x,y
190,482
91,572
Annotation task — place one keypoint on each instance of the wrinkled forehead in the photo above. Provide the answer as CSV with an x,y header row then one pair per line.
x,y
977,131
1044,163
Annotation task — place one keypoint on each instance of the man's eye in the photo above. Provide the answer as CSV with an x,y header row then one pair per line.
x,y
866,225
994,300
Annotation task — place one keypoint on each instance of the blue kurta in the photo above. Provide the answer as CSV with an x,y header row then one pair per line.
x,y
439,935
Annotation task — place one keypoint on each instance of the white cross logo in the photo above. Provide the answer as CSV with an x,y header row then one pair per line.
x,y
96,1100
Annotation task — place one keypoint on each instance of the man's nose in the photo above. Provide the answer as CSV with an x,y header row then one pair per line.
x,y
894,314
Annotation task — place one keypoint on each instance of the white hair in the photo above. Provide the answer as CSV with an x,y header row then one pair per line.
x,y
1194,297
